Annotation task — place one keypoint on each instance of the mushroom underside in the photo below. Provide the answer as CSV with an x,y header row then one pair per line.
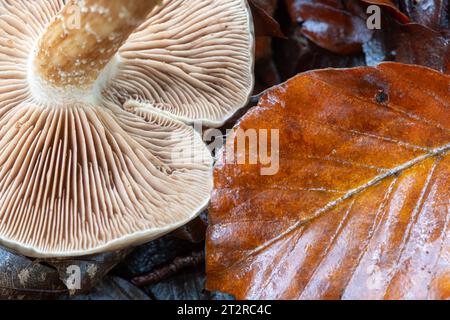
x,y
124,167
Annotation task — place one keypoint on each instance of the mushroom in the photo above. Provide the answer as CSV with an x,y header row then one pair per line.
x,y
97,99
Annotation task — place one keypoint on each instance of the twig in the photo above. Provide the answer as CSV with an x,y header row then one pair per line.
x,y
178,264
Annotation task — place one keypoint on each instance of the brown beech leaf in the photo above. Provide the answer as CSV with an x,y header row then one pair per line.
x,y
265,24
360,205
297,54
410,43
193,232
417,44
266,28
431,13
332,25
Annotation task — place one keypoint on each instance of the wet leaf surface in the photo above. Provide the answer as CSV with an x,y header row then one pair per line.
x,y
360,206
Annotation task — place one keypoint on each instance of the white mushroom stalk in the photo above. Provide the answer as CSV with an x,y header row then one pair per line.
x,y
72,52
96,148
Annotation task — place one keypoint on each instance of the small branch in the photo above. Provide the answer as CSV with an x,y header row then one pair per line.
x,y
180,263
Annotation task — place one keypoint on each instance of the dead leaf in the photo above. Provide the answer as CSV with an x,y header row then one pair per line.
x,y
410,43
417,44
92,268
430,13
266,28
297,54
112,288
425,42
25,278
333,25
360,206
265,24
194,231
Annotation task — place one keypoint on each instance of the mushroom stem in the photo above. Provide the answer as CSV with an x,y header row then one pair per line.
x,y
86,35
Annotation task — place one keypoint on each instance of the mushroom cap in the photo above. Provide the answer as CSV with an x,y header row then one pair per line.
x,y
83,173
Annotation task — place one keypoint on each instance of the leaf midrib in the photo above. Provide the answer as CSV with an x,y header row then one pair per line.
x,y
440,151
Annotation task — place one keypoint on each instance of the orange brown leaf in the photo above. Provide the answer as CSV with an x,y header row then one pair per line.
x,y
360,206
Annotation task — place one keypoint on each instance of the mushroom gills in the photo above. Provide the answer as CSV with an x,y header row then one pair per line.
x,y
107,160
